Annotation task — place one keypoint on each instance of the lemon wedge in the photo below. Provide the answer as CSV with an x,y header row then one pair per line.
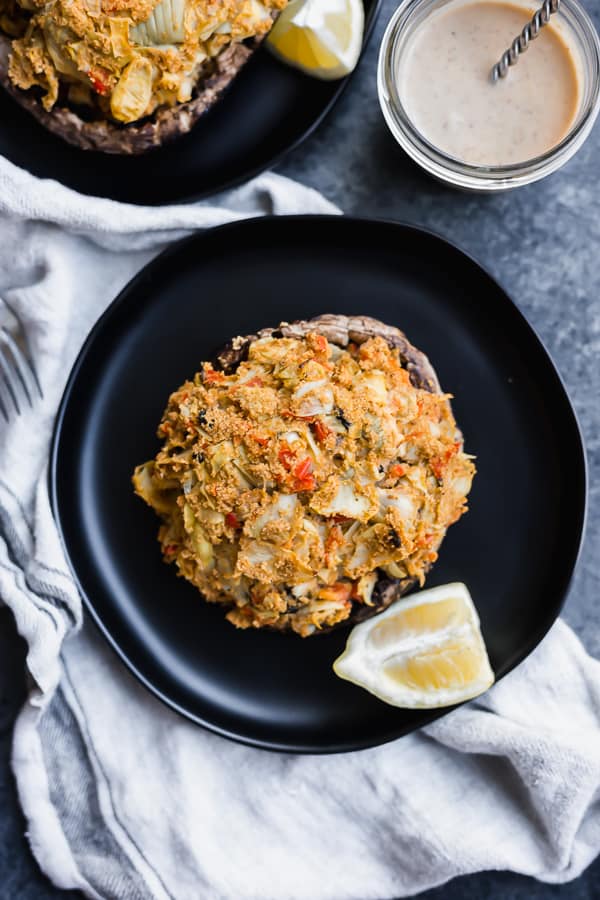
x,y
422,652
321,37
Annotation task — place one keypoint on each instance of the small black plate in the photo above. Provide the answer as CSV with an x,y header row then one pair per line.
x,y
269,109
515,549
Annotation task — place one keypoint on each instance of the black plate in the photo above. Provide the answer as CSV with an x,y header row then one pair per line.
x,y
269,109
515,549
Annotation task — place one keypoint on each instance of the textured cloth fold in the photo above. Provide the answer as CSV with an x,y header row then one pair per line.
x,y
123,798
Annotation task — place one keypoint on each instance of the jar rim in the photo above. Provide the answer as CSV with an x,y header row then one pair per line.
x,y
468,175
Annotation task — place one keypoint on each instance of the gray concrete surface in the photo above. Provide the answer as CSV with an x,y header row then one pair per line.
x,y
542,242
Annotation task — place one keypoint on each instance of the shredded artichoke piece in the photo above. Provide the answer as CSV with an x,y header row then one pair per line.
x,y
132,94
125,58
164,26
302,478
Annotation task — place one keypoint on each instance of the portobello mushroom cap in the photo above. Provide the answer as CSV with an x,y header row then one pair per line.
x,y
163,126
342,330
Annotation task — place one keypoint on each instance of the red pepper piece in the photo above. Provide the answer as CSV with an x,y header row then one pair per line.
x,y
321,430
341,590
286,457
232,520
98,81
303,473
304,468
213,377
439,463
396,471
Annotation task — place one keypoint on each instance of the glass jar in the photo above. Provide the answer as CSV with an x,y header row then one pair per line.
x,y
572,22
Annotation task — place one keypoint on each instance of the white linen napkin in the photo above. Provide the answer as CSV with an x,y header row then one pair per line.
x,y
123,798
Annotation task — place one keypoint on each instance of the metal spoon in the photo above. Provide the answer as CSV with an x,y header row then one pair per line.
x,y
521,43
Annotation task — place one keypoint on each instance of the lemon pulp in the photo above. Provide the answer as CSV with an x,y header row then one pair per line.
x,y
424,651
321,37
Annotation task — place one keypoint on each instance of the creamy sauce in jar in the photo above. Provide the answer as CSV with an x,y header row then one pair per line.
x,y
444,83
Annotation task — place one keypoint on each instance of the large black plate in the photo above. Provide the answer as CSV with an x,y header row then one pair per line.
x,y
515,549
268,110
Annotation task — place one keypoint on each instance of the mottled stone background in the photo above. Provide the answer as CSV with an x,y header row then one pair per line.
x,y
543,244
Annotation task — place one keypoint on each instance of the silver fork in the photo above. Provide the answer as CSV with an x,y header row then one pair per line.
x,y
19,386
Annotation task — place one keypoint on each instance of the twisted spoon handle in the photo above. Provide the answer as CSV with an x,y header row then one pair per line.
x,y
521,43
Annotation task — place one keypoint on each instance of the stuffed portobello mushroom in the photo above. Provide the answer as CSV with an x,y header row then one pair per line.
x,y
124,76
308,475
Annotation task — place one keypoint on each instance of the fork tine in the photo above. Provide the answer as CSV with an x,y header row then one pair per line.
x,y
23,366
3,409
8,394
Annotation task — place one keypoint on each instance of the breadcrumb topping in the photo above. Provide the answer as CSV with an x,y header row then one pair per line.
x,y
289,486
125,58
